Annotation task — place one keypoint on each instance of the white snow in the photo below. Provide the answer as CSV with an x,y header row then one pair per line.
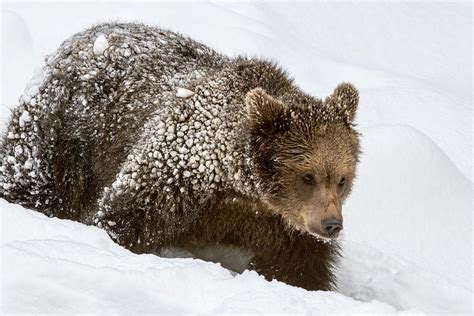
x,y
28,164
407,238
11,159
25,117
100,44
18,150
65,267
184,93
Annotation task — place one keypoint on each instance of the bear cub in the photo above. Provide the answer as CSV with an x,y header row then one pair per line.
x,y
163,142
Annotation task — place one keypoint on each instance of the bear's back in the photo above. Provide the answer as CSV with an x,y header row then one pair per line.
x,y
98,90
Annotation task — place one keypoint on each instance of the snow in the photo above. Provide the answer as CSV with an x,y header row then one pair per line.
x,y
184,93
24,118
66,267
51,261
407,238
100,45
426,219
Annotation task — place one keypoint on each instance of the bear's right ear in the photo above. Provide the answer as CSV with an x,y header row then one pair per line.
x,y
345,98
266,114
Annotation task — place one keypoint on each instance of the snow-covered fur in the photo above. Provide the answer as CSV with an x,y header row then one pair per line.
x,y
163,142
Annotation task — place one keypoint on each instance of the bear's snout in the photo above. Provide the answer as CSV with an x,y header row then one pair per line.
x,y
327,224
331,227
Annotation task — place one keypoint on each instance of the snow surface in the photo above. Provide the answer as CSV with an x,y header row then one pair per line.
x,y
408,224
92,274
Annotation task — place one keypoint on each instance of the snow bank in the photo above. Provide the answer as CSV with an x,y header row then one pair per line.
x,y
60,266
367,274
410,201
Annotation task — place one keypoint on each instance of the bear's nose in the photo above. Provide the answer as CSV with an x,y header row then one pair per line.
x,y
331,226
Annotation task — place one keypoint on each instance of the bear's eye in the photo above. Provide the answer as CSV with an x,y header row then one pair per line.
x,y
308,179
342,182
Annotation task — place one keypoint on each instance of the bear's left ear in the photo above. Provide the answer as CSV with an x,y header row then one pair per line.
x,y
266,114
346,99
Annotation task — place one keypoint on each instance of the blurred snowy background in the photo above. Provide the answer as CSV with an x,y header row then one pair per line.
x,y
408,224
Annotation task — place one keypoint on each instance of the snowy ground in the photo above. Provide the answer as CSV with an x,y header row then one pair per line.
x,y
408,224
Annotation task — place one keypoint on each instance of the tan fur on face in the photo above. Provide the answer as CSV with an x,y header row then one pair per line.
x,y
303,135
329,152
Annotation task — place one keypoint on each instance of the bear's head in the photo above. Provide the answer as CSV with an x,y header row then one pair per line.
x,y
304,153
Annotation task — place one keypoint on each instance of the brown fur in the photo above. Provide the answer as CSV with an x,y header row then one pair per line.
x,y
292,142
279,252
106,144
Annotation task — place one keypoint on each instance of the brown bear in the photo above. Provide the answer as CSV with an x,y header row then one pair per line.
x,y
163,142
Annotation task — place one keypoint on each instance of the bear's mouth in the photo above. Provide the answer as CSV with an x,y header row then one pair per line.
x,y
300,225
317,233
303,229
324,239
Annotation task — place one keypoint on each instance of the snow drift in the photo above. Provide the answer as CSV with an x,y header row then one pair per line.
x,y
66,267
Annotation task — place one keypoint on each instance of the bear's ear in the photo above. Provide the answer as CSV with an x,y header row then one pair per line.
x,y
345,98
266,114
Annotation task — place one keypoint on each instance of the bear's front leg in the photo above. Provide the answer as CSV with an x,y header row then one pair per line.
x,y
279,252
285,254
297,259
